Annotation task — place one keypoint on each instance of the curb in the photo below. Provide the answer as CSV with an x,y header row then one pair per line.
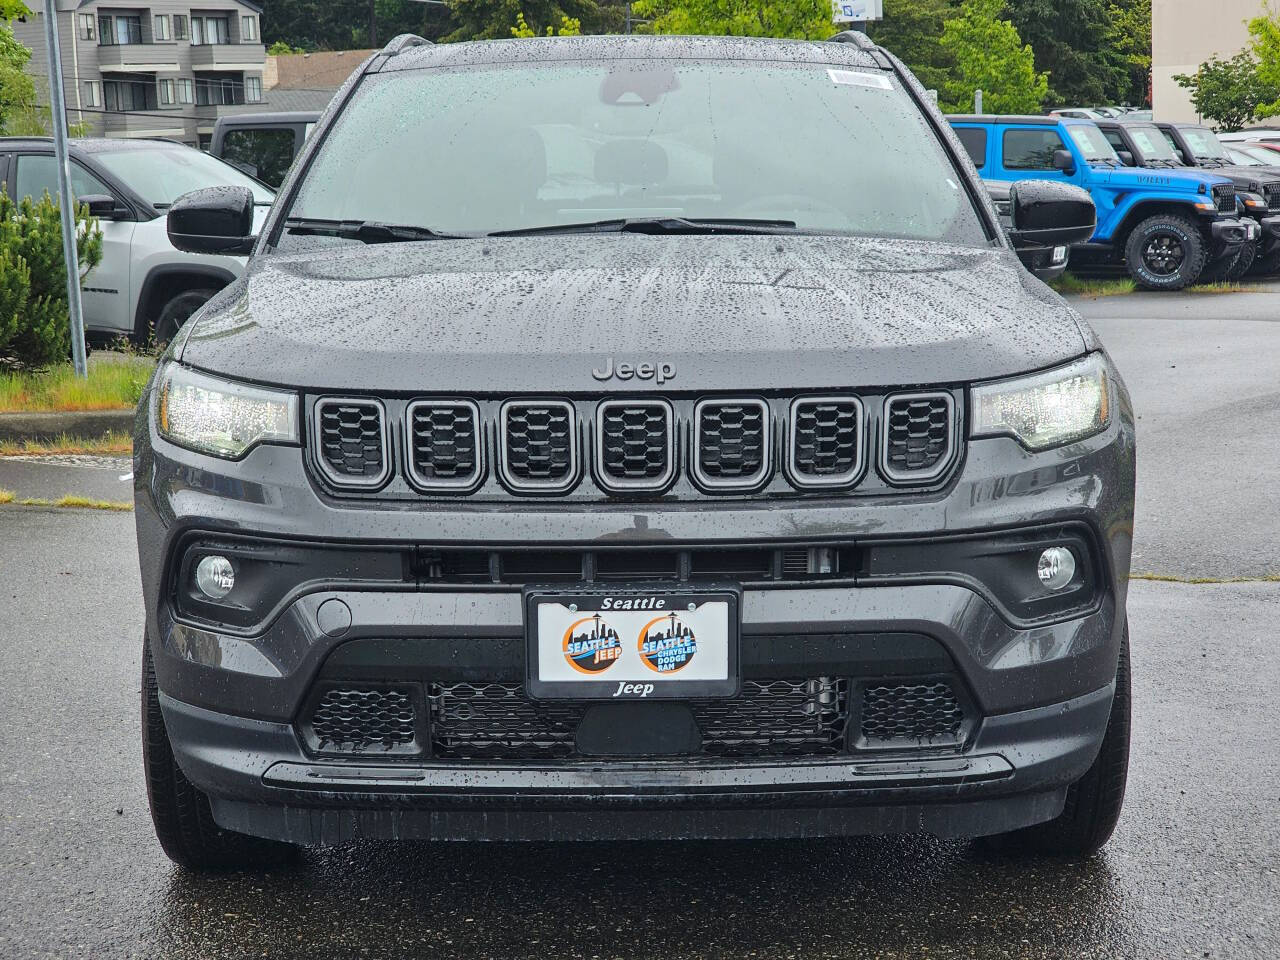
x,y
82,424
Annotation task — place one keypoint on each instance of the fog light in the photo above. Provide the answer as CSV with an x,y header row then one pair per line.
x,y
1059,256
215,577
1056,567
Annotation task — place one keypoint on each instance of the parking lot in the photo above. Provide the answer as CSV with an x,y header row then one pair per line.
x,y
1194,869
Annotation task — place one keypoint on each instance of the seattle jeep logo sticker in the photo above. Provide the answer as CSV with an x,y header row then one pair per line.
x,y
591,645
667,644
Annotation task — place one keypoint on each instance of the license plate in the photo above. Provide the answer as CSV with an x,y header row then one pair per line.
x,y
632,644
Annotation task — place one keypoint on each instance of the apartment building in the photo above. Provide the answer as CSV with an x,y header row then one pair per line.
x,y
167,69
1186,33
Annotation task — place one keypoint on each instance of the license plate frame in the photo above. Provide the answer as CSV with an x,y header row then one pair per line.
x,y
637,672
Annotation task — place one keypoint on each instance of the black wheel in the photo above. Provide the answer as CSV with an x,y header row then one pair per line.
x,y
1222,268
1094,801
180,811
177,311
1266,266
1244,263
1165,252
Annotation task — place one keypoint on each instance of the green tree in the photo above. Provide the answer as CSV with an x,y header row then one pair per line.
x,y
912,31
17,89
569,27
1130,36
1228,92
491,19
796,19
1264,34
991,57
1074,41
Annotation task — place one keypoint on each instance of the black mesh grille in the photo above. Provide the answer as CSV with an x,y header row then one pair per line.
x,y
732,445
538,444
444,443
778,718
1224,195
1272,193
910,714
364,719
350,441
917,435
825,439
635,443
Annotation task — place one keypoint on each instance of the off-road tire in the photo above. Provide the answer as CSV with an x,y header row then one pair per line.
x,y
1183,234
180,811
176,311
1244,263
1221,269
1094,801
1268,265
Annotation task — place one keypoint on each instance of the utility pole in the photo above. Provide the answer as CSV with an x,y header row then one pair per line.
x,y
373,24
977,102
66,204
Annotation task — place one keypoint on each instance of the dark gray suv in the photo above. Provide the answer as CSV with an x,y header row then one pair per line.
x,y
633,438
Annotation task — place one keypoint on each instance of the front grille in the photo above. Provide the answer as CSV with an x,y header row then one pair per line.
x,y
539,445
496,721
826,441
1272,193
635,444
918,440
1224,195
910,715
731,443
351,442
444,442
364,720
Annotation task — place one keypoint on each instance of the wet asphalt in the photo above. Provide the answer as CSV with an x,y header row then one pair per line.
x,y
1193,871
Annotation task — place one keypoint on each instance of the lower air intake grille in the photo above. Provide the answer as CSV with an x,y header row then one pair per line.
x,y
910,715
539,446
351,442
917,436
496,721
731,443
826,441
364,720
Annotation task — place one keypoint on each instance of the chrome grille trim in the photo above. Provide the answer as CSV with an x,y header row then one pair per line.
x,y
757,479
944,464
849,477
437,484
616,484
524,485
333,477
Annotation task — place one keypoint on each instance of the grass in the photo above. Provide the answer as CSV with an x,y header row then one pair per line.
x,y
1071,285
115,381
1204,581
83,503
6,496
112,445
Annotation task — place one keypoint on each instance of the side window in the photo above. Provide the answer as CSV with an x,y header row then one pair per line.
x,y
1114,138
1031,149
37,173
974,140
265,153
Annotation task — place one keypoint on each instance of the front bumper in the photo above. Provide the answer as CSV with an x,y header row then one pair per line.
x,y
1269,240
1228,235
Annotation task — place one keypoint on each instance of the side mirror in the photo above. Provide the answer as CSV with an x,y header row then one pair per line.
x,y
1048,214
102,205
215,220
1126,158
1064,161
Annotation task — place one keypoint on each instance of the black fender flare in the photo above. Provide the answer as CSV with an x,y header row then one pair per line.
x,y
219,277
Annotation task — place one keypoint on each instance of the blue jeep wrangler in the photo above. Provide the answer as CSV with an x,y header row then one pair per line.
x,y
1166,227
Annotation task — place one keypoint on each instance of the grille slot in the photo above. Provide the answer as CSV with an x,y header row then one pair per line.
x,y
351,441
1272,193
732,447
826,441
918,441
364,720
910,715
496,721
1224,195
445,445
635,444
539,446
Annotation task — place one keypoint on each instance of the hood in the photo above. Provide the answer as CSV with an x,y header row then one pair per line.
x,y
1252,179
1180,179
539,314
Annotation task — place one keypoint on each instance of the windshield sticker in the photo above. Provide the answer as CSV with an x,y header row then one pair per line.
x,y
1087,145
854,78
1145,143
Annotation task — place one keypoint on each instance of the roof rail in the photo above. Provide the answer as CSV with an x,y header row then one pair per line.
x,y
404,42
857,37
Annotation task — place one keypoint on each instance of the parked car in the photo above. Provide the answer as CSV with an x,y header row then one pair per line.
x,y
1272,145
563,468
1047,263
144,287
263,145
1076,113
1247,154
1163,229
1267,134
1197,146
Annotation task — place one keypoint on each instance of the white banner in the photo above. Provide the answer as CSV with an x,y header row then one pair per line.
x,y
856,11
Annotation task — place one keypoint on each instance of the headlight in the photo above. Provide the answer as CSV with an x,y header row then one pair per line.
x,y
221,417
1045,410
1252,201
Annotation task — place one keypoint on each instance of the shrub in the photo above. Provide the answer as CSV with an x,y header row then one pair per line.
x,y
34,321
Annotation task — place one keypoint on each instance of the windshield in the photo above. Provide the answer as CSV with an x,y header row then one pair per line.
x,y
1151,144
161,174
1242,159
1261,154
1203,143
1092,143
503,148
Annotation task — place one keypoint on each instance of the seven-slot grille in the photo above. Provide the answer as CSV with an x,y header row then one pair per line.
x,y
1272,192
351,442
444,441
635,444
826,441
539,445
918,436
1224,195
731,442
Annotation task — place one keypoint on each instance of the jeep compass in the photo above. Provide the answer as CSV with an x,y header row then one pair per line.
x,y
633,438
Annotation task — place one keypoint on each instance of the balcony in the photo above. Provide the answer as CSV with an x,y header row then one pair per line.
x,y
138,57
228,56
154,124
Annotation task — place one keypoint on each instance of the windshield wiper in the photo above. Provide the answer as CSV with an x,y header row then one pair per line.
x,y
657,225
368,231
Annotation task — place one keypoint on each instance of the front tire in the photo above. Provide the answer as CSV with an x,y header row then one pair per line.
x,y
1248,257
1095,800
1165,252
177,311
180,811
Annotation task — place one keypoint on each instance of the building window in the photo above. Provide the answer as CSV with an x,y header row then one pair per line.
x,y
124,96
162,27
248,29
179,26
119,30
166,92
213,93
252,89
186,90
92,94
209,30
88,27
